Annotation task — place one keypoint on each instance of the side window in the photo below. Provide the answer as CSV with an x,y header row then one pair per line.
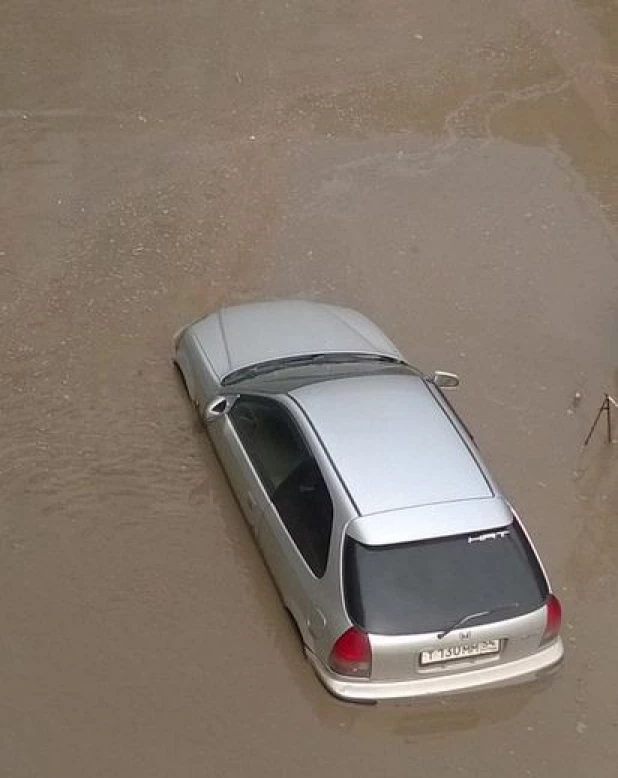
x,y
289,473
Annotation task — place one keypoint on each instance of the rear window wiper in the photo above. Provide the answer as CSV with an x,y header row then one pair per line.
x,y
470,616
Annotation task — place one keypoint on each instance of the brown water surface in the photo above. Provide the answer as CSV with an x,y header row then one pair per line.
x,y
449,168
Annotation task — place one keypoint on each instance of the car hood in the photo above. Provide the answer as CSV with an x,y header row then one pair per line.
x,y
245,335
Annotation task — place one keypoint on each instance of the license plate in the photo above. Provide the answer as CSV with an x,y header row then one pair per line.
x,y
460,651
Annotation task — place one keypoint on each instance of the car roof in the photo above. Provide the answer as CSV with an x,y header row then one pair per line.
x,y
392,442
432,521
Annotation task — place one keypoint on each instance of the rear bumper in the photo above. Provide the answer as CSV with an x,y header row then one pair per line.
x,y
539,665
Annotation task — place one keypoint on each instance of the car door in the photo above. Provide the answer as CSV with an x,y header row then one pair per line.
x,y
296,509
233,442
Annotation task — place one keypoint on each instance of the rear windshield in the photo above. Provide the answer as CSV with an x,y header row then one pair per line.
x,y
428,586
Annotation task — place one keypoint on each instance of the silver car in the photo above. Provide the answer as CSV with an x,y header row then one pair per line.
x,y
405,569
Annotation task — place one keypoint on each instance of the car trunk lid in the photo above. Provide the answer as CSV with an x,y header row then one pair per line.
x,y
410,657
447,604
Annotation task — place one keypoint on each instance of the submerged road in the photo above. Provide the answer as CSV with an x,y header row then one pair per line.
x,y
450,169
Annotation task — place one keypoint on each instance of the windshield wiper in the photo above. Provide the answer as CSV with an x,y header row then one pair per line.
x,y
313,359
468,617
269,367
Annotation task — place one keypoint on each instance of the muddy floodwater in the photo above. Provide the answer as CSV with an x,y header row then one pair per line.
x,y
450,169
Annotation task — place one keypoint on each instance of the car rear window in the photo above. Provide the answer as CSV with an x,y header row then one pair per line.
x,y
427,586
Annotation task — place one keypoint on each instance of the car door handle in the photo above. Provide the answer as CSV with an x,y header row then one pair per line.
x,y
251,502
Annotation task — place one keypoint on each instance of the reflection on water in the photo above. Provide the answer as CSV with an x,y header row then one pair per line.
x,y
415,720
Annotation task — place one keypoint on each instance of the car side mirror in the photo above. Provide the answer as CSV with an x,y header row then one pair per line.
x,y
218,407
445,380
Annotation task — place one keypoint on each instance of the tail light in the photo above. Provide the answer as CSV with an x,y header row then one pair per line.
x,y
553,618
351,654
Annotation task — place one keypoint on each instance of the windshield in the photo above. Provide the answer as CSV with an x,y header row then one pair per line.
x,y
427,586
